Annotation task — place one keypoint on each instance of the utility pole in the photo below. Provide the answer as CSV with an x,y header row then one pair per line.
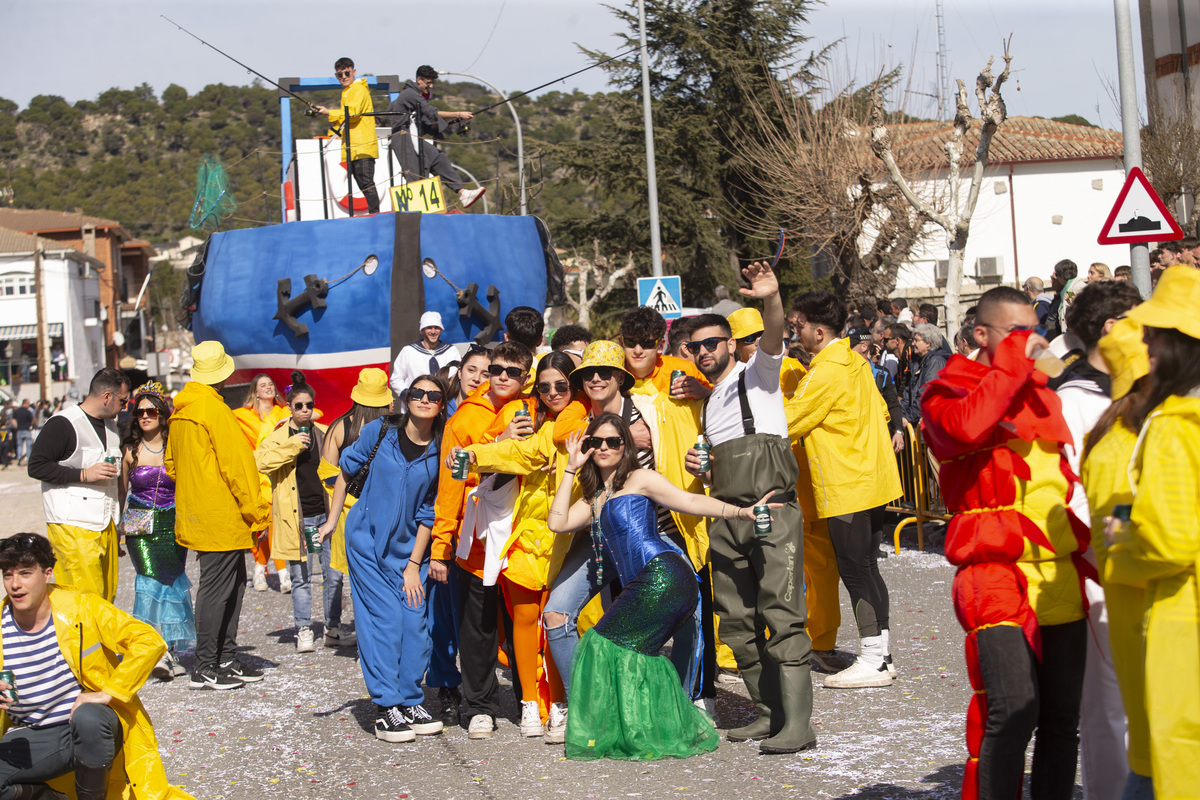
x,y
1139,254
944,101
43,330
651,174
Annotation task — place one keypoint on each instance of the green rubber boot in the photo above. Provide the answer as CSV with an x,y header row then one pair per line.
x,y
763,691
796,699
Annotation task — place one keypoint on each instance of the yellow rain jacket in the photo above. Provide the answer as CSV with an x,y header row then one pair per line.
x,y
843,420
217,500
337,542
357,98
1105,477
1161,549
276,458
118,654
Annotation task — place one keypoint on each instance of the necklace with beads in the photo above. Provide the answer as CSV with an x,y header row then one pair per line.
x,y
597,534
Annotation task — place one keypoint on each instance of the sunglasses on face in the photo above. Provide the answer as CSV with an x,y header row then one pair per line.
x,y
302,406
561,387
645,344
710,344
341,73
516,373
145,413
751,339
603,373
416,395
594,442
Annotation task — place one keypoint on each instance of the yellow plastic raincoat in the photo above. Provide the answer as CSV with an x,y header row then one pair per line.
x,y
276,458
109,632
217,499
1161,550
357,98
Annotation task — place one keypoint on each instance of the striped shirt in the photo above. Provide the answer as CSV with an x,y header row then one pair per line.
x,y
46,687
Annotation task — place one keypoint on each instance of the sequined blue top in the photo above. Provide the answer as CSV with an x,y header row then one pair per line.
x,y
631,535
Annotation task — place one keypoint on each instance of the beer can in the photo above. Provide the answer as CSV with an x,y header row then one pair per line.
x,y
302,430
676,374
462,465
110,459
702,446
762,520
312,538
8,677
522,412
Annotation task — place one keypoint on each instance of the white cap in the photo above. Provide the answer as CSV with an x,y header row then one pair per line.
x,y
431,319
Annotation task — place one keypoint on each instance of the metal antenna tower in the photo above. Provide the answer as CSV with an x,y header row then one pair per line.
x,y
944,101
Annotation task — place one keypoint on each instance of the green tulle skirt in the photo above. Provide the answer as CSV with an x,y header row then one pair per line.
x,y
631,706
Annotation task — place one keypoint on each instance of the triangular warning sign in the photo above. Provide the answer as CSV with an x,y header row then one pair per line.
x,y
661,301
1138,215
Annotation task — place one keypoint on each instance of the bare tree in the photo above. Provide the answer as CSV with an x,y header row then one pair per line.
x,y
821,181
1171,159
602,273
957,221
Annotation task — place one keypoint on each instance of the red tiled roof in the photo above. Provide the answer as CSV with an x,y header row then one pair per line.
x,y
15,242
31,220
1018,139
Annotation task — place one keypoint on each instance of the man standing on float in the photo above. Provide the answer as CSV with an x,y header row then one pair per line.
x,y
359,149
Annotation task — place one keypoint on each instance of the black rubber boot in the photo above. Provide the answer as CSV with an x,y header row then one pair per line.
x,y
35,791
796,695
763,688
91,783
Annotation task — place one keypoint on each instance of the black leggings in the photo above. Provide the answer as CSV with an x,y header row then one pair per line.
x,y
855,545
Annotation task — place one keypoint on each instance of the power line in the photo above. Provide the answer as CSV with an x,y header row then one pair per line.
x,y
489,38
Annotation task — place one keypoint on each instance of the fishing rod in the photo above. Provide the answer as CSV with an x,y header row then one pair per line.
x,y
312,110
556,80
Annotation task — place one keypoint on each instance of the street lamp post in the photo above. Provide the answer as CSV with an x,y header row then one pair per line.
x,y
651,174
520,140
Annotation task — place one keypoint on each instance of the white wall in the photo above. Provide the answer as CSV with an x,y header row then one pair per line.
x,y
1040,193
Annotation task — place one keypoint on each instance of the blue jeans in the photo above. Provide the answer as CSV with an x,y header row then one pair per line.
x,y
441,603
331,584
574,587
24,444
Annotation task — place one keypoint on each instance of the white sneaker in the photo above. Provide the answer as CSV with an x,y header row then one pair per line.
x,y
482,727
531,719
468,196
891,668
260,578
556,726
860,675
285,581
708,705
304,641
162,670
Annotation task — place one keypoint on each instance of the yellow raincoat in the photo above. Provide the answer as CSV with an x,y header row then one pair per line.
x,y
1161,549
217,500
357,98
337,542
276,458
852,465
108,631
1105,477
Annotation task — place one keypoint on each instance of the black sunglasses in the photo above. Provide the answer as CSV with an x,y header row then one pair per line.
x,y
301,406
145,412
516,373
645,344
25,541
751,339
562,387
586,374
343,72
594,442
710,344
476,348
434,395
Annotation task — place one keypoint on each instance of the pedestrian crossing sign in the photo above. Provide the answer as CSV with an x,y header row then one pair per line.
x,y
663,294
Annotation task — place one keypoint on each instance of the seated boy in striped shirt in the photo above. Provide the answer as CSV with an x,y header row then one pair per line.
x,y
56,722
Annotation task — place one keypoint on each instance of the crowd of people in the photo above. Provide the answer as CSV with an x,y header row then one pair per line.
x,y
624,523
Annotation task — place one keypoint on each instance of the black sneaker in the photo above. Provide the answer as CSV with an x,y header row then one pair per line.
x,y
391,725
420,720
242,672
212,678
448,700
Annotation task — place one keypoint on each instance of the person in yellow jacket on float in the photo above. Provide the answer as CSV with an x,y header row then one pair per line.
x,y
217,505
820,564
1160,546
97,657
1105,476
363,148
841,416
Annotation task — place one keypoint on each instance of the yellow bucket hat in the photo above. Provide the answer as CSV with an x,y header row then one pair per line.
x,y
1174,302
1126,355
372,389
602,353
210,363
745,322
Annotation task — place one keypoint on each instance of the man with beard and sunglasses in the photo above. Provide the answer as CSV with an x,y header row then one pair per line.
x,y
756,574
478,634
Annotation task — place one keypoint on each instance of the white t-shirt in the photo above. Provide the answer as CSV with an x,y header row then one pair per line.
x,y
414,360
723,417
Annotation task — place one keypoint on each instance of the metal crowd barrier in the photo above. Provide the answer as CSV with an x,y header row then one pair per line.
x,y
922,499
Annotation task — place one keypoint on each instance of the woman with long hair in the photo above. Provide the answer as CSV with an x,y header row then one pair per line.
x,y
290,457
464,377
162,595
527,448
262,410
626,699
387,543
1159,547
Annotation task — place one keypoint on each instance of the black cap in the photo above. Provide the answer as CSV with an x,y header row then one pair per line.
x,y
857,336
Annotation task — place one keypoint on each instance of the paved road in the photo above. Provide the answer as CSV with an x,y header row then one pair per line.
x,y
305,732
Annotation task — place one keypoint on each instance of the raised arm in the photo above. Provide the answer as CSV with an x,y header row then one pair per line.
x,y
653,485
565,516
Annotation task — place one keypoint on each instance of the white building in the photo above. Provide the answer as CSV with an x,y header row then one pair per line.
x,y
74,315
1047,190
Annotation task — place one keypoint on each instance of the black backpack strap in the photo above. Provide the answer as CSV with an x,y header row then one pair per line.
x,y
627,411
747,418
